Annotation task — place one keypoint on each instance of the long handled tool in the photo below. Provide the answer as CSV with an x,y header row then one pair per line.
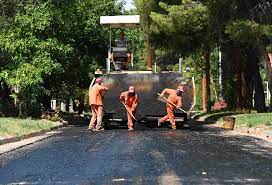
x,y
168,101
187,113
129,111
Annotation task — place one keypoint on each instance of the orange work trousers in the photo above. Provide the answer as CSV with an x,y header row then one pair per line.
x,y
130,119
97,116
170,116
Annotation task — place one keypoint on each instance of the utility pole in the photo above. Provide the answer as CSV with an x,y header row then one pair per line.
x,y
220,74
180,65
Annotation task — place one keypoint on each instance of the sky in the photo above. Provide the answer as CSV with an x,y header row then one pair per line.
x,y
129,4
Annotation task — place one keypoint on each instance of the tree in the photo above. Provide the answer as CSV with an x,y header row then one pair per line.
x,y
250,33
53,46
239,37
185,28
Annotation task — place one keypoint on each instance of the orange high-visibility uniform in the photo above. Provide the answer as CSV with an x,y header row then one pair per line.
x,y
96,103
175,99
131,102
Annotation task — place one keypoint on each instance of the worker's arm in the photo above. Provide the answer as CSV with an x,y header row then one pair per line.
x,y
165,91
123,97
102,88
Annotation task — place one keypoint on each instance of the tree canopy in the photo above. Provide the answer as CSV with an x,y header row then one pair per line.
x,y
196,30
52,47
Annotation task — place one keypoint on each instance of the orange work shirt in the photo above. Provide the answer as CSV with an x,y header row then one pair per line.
x,y
130,101
174,98
96,94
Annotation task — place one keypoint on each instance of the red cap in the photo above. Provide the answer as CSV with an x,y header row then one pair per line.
x,y
98,80
131,89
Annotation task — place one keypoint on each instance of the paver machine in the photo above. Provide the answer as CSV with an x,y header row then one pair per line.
x,y
118,77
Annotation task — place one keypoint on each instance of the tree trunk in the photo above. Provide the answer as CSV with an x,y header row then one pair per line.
x,y
248,89
20,110
259,98
22,104
204,95
239,83
149,61
81,104
208,81
67,104
228,74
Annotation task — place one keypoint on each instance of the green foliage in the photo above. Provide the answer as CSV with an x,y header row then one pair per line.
x,y
136,45
190,29
32,57
181,28
183,25
144,8
193,66
269,48
247,31
50,48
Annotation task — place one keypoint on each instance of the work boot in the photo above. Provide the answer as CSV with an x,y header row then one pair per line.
x,y
99,130
90,129
174,127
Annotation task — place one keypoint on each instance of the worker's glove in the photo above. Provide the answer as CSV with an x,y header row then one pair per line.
x,y
161,95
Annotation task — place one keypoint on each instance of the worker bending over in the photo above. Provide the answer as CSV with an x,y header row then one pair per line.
x,y
174,101
130,99
96,103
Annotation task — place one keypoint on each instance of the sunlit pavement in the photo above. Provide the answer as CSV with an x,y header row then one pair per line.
x,y
151,156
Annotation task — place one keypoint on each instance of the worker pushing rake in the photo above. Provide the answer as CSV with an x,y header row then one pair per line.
x,y
130,101
173,101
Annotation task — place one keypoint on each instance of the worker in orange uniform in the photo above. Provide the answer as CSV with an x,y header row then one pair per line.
x,y
96,103
175,96
130,99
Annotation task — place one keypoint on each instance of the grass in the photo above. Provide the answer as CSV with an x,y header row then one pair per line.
x,y
246,120
10,127
254,120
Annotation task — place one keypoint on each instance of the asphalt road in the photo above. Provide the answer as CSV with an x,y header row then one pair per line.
x,y
151,156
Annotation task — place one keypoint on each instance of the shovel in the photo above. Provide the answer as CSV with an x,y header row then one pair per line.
x,y
180,109
129,111
168,101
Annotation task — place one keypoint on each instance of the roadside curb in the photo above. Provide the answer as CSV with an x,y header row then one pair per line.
x,y
263,134
253,132
34,134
